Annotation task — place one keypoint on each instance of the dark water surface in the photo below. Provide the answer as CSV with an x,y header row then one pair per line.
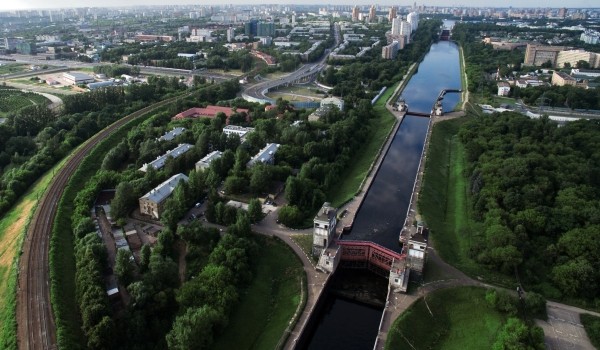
x,y
348,325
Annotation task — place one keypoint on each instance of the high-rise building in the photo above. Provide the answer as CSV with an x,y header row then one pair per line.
x,y
265,29
355,13
562,13
390,51
250,27
392,13
372,14
413,19
230,34
396,22
406,30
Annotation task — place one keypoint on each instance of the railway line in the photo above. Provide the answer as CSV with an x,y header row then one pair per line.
x,y
35,321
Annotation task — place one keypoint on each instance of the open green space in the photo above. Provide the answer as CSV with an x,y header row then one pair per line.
x,y
268,305
10,68
444,202
455,318
592,328
12,100
363,159
305,242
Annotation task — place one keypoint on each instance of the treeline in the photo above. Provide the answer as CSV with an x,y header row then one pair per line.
x,y
535,187
113,70
559,96
482,60
34,139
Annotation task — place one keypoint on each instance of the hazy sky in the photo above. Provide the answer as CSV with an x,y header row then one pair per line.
x,y
37,4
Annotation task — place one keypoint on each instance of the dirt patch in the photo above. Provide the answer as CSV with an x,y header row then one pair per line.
x,y
9,243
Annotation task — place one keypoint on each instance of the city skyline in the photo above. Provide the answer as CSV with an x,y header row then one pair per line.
x,y
42,4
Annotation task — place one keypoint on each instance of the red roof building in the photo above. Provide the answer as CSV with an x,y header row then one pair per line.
x,y
210,112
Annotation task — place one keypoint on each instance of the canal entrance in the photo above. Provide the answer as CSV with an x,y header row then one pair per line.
x,y
349,323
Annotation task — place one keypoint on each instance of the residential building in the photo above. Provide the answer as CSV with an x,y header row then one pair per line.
x,y
240,131
335,101
562,12
265,29
562,79
265,155
77,78
170,135
159,162
230,34
204,163
152,203
144,38
406,30
572,57
590,37
324,228
355,13
536,55
396,22
392,13
503,88
413,19
372,14
389,52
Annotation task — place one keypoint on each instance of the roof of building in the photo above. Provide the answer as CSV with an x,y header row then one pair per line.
x,y
164,190
563,75
100,84
160,161
210,157
503,84
209,112
237,128
265,154
170,135
326,213
421,236
77,76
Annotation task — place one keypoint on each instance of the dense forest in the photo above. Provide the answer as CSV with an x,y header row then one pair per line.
x,y
535,187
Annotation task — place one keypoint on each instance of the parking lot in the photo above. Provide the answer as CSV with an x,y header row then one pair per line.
x,y
564,331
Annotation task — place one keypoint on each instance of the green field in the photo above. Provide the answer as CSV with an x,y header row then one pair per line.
x,y
460,318
444,203
10,68
269,303
12,100
379,131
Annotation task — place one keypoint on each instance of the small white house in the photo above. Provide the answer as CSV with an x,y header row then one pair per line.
x,y
503,88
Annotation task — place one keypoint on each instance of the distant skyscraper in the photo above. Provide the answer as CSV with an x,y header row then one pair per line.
x,y
392,13
355,14
413,19
562,13
396,22
230,34
372,14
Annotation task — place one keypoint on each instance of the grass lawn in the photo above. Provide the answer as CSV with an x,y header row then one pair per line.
x,y
445,205
267,306
592,328
12,229
13,68
379,131
460,318
305,242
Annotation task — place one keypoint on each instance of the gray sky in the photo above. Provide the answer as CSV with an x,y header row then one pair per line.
x,y
41,4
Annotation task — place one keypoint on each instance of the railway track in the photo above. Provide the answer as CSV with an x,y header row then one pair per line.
x,y
36,328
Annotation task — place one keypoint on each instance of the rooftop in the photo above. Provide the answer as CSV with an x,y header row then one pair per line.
x,y
164,190
170,135
326,213
159,162
264,155
209,158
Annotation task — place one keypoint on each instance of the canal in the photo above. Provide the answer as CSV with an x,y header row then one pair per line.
x,y
348,324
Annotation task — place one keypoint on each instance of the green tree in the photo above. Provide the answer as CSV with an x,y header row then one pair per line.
x,y
195,329
124,200
516,335
124,268
255,210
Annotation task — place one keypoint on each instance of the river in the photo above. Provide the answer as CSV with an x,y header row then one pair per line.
x,y
348,325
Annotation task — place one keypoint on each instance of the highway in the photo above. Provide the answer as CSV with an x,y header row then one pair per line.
x,y
257,91
35,321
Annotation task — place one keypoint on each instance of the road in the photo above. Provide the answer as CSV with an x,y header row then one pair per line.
x,y
35,321
257,91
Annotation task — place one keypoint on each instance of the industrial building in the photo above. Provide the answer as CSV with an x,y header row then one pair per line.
x,y
77,78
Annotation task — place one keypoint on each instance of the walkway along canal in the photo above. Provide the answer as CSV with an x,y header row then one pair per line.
x,y
346,324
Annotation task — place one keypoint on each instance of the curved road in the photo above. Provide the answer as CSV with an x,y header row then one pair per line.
x,y
36,327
